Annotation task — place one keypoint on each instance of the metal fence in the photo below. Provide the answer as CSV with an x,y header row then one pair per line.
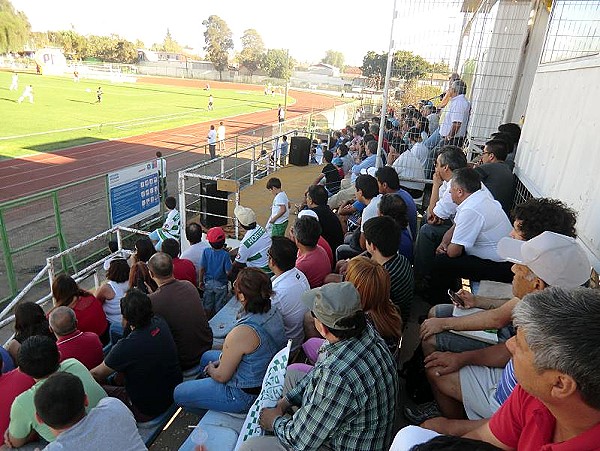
x,y
39,226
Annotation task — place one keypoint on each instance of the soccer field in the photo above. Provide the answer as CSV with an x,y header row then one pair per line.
x,y
65,113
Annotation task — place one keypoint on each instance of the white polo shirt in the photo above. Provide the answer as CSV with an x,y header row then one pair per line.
x,y
445,208
458,111
288,288
480,224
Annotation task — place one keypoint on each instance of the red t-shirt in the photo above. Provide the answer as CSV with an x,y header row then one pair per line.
x,y
325,245
83,346
524,423
315,265
184,269
12,384
90,315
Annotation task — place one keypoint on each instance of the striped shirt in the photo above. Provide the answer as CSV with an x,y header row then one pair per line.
x,y
402,284
507,383
347,401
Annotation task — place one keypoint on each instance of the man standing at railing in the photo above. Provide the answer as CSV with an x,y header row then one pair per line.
x,y
161,162
212,142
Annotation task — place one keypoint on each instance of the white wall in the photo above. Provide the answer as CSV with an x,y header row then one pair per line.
x,y
559,153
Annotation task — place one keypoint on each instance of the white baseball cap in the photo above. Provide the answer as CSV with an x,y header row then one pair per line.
x,y
308,212
557,259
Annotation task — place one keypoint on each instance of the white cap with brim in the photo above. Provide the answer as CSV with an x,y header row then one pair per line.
x,y
309,213
556,259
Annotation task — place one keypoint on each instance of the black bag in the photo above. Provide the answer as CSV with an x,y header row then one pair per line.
x,y
417,385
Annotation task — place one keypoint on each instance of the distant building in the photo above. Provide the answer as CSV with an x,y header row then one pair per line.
x,y
324,69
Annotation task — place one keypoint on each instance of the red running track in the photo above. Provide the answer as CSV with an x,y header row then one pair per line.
x,y
29,175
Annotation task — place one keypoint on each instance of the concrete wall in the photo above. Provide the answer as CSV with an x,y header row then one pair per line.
x,y
558,153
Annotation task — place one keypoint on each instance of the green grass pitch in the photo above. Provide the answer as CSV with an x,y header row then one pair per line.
x,y
65,113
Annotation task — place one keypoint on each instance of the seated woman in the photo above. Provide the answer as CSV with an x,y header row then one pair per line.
x,y
139,277
30,320
234,377
110,294
372,282
88,309
143,250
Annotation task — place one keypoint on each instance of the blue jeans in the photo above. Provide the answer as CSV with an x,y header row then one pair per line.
x,y
208,394
215,296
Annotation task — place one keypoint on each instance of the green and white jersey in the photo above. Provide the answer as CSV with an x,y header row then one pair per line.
x,y
254,247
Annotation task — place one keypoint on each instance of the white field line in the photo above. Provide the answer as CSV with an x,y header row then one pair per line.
x,y
119,124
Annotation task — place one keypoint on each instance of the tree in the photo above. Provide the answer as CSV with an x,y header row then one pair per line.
x,y
373,67
253,51
218,39
169,45
278,64
14,28
72,43
334,58
405,65
440,67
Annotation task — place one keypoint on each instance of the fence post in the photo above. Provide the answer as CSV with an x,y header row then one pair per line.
x,y
222,167
50,264
10,270
252,168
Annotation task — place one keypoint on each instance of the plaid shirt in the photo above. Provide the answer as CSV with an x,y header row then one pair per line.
x,y
347,401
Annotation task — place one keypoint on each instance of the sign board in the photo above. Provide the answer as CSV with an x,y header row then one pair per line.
x,y
133,193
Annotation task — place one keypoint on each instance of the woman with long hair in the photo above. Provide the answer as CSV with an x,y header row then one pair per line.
x,y
372,281
30,320
234,377
139,277
143,250
88,310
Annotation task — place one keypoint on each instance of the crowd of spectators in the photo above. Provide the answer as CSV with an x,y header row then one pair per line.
x,y
340,281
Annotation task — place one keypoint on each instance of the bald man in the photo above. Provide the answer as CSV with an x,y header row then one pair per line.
x,y
73,343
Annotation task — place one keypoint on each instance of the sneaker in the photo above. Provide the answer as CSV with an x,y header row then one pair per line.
x,y
418,414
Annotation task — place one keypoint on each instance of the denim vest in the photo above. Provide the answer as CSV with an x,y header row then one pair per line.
x,y
271,333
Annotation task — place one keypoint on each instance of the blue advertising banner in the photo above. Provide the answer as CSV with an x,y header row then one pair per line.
x,y
133,193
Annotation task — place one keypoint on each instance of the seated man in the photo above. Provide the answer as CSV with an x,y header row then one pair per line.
x,y
39,358
71,342
254,245
408,166
496,175
183,269
367,193
556,403
381,233
288,285
312,259
171,227
441,209
179,304
550,259
331,229
348,400
12,384
468,249
388,183
193,233
146,358
60,404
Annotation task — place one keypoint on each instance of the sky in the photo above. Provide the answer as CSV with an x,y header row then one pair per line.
x,y
308,28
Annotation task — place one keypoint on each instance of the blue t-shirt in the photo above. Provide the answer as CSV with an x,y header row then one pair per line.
x,y
216,264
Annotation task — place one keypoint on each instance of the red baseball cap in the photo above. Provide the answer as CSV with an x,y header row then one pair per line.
x,y
215,235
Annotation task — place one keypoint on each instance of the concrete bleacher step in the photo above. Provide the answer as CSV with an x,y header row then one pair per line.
x,y
223,430
149,430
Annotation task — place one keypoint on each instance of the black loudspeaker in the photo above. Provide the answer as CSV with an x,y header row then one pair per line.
x,y
214,206
299,150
